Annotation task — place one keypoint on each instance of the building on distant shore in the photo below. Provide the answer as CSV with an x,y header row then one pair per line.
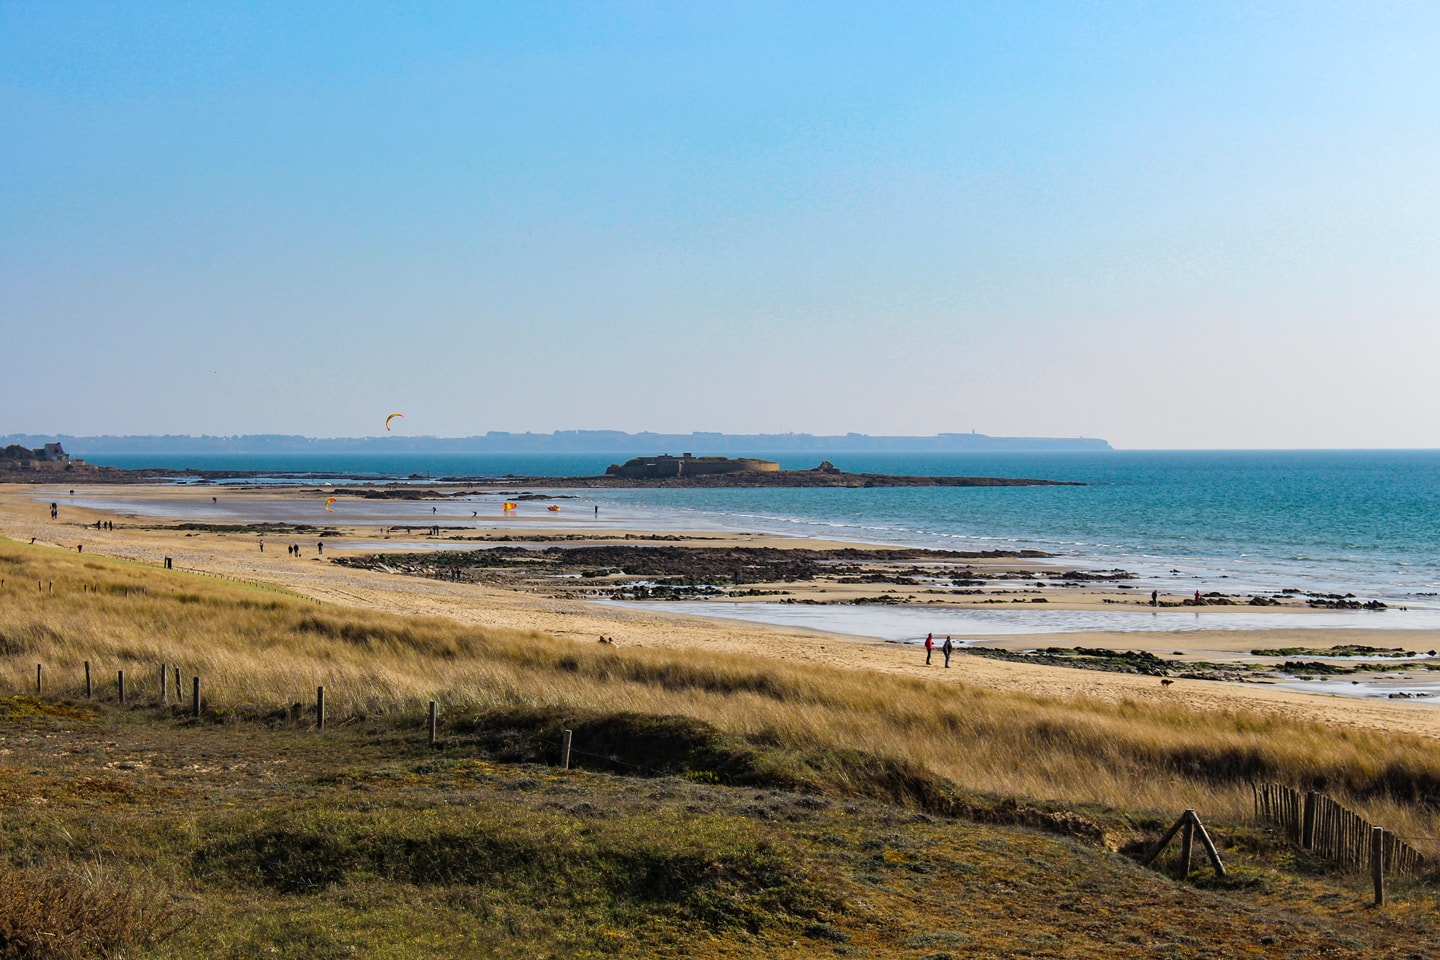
x,y
49,457
687,465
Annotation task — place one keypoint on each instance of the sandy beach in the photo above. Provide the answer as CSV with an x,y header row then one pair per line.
x,y
149,525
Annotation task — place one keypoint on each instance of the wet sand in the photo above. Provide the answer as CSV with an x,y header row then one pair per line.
x,y
24,513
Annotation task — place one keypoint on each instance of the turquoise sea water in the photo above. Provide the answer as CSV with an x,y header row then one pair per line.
x,y
1366,522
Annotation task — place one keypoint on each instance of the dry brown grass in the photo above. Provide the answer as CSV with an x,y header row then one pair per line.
x,y
70,914
263,647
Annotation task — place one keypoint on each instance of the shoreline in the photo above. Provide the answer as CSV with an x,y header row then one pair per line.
x,y
474,517
236,555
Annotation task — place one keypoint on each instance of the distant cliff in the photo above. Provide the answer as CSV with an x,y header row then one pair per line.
x,y
610,442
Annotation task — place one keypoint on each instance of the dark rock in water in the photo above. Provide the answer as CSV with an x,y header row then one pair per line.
x,y
1347,602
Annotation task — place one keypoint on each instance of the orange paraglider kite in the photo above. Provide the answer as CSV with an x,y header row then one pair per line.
x,y
328,502
553,508
392,417
509,506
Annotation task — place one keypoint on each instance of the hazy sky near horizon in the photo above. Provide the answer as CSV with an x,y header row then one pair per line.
x,y
1169,225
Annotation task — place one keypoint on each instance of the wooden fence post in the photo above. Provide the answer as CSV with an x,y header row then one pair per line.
x,y
87,680
565,738
1307,822
1189,822
432,723
195,698
1377,863
319,708
120,682
1209,846
179,690
164,676
37,680
1187,843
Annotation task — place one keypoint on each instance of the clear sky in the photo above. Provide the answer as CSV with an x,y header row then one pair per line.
x,y
1165,224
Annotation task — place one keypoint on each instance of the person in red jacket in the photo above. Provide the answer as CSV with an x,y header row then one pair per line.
x,y
929,647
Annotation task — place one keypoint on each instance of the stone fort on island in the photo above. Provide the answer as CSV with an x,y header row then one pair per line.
x,y
687,465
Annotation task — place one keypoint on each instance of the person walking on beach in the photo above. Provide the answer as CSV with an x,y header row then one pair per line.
x,y
1154,598
929,647
320,548
947,648
262,546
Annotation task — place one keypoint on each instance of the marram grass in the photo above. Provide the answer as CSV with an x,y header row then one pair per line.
x,y
264,648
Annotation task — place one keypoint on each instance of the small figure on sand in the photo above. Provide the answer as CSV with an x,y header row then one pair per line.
x,y
947,648
262,546
320,548
597,511
929,647
1197,597
54,511
1154,598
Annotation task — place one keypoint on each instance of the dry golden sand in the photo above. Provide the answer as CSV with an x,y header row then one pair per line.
x,y
24,513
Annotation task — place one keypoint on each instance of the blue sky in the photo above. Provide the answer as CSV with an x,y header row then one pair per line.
x,y
1169,225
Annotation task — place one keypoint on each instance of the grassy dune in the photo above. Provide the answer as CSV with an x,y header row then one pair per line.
x,y
128,834
800,812
263,649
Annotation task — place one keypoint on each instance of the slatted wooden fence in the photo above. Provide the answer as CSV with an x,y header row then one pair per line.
x,y
1319,824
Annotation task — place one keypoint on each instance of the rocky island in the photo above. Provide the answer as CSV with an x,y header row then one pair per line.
x,y
687,470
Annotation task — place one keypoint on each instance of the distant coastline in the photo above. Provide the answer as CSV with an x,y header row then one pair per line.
x,y
389,488
607,442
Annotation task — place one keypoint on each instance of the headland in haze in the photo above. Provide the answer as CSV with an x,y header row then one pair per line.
x,y
613,442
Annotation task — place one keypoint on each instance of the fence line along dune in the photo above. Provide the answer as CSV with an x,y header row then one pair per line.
x,y
261,646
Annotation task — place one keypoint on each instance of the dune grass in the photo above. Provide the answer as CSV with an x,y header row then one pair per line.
x,y
259,649
131,833
134,831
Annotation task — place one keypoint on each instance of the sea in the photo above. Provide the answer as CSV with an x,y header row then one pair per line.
x,y
1365,523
